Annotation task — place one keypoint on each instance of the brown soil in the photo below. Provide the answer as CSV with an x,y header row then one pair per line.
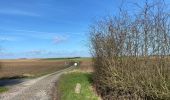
x,y
86,66
33,67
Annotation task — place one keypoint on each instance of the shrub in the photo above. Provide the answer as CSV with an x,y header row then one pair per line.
x,y
131,54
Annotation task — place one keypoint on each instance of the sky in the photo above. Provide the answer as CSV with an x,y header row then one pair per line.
x,y
49,28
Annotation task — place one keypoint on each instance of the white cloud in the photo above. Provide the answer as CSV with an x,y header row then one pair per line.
x,y
6,54
59,39
7,38
35,52
66,53
32,31
56,37
44,54
17,12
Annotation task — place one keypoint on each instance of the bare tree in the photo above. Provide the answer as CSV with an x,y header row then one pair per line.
x,y
131,54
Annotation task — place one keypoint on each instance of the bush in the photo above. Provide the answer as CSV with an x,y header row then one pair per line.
x,y
131,54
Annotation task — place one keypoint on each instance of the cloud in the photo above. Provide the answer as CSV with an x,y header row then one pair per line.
x,y
66,53
56,37
7,38
22,35
18,12
6,54
32,31
43,54
59,39
35,52
58,53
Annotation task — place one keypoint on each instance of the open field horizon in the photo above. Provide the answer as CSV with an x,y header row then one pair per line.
x,y
35,67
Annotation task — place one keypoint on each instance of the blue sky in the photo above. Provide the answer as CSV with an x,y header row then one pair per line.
x,y
49,28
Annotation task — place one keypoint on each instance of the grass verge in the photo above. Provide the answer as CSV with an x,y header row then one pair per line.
x,y
3,89
67,84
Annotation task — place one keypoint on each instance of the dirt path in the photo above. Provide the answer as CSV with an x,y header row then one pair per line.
x,y
35,89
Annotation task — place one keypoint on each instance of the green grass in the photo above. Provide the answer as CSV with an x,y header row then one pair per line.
x,y
68,83
3,89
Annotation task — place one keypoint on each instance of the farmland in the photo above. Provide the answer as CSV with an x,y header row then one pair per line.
x,y
33,68
86,66
29,67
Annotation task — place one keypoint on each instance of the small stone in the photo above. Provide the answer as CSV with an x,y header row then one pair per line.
x,y
78,88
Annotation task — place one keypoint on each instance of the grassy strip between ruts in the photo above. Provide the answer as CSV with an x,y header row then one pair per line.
x,y
67,84
3,89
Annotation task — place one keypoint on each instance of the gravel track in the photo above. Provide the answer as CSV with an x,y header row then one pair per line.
x,y
34,89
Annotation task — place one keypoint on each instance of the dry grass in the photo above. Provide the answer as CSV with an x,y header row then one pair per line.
x,y
32,67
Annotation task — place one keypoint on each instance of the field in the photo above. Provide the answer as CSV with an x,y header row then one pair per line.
x,y
29,67
86,66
